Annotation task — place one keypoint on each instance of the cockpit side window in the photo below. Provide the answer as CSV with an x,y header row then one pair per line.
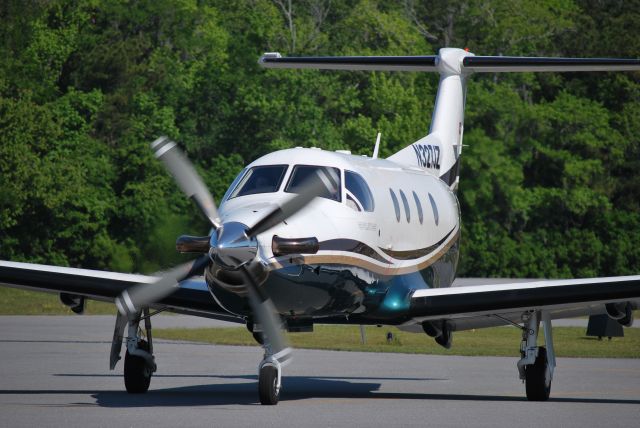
x,y
358,190
260,179
302,173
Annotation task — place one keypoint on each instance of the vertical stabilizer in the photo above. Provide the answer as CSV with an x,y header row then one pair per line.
x,y
439,151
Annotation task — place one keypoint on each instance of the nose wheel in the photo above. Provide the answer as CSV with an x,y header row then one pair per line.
x,y
270,375
269,385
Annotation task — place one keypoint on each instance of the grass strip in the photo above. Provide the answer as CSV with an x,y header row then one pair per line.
x,y
496,341
14,301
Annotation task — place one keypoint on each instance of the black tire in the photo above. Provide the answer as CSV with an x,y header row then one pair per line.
x,y
137,376
538,377
268,386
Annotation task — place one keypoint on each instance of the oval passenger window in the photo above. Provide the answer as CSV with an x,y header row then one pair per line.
x,y
396,205
434,207
418,207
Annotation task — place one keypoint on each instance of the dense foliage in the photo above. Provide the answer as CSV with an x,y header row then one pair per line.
x,y
550,182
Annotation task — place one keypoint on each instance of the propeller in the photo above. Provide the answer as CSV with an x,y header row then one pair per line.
x,y
232,244
186,176
266,314
134,298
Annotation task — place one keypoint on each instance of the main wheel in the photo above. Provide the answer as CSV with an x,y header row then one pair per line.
x,y
268,386
538,377
137,376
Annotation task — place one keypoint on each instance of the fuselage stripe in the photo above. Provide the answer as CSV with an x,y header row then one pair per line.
x,y
418,253
352,246
389,269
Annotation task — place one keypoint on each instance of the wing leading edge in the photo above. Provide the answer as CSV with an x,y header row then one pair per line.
x,y
490,299
192,297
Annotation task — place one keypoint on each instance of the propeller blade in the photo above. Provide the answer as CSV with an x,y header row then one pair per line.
x,y
266,315
186,176
135,298
324,180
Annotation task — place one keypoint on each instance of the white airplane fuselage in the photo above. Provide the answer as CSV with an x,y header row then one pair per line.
x,y
371,254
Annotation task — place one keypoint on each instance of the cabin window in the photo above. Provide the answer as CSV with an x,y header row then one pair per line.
x,y
302,173
406,206
359,195
396,205
418,207
260,179
434,207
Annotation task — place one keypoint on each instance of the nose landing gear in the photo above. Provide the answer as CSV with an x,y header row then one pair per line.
x,y
270,375
269,383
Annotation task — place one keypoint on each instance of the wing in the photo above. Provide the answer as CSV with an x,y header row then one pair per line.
x,y
477,306
192,298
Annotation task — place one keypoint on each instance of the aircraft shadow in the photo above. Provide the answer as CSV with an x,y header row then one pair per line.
x,y
294,388
252,377
156,341
52,341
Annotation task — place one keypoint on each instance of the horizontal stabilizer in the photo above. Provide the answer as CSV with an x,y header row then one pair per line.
x,y
382,63
497,64
468,64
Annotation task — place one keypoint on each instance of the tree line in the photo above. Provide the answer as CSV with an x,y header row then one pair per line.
x,y
550,181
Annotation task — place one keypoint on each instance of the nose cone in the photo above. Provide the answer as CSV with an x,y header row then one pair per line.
x,y
231,246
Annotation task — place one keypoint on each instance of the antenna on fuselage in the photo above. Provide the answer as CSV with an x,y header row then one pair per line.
x,y
377,146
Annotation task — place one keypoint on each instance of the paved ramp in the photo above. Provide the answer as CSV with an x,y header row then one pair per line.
x,y
55,373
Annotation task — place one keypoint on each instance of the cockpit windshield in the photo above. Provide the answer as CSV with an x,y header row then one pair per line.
x,y
260,179
302,173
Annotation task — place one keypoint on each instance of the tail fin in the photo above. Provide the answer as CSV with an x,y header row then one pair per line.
x,y
439,151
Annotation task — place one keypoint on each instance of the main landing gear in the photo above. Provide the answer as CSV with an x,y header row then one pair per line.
x,y
139,362
538,362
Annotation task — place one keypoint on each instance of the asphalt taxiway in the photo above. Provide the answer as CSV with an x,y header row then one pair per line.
x,y
54,372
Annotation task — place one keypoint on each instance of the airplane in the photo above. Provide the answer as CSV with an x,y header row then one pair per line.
x,y
305,236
